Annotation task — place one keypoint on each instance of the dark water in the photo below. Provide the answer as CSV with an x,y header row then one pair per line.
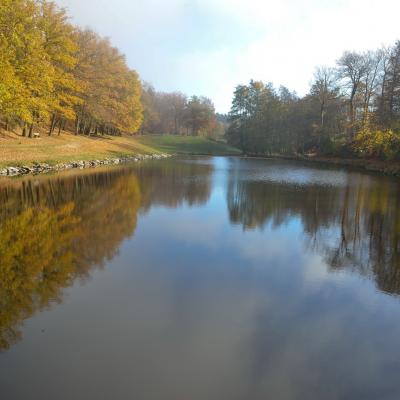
x,y
210,278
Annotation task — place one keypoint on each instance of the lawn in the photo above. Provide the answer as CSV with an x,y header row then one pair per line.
x,y
187,145
17,150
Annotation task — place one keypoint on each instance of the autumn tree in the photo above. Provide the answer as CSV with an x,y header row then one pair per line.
x,y
200,115
170,112
61,48
110,97
26,91
53,73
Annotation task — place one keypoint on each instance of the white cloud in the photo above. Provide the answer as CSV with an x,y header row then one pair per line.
x,y
210,46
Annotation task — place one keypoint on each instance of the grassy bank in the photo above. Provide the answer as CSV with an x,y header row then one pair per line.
x,y
16,150
187,145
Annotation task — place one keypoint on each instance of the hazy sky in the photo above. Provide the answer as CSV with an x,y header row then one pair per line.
x,y
207,47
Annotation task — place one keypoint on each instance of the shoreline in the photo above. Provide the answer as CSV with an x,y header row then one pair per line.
x,y
378,166
42,168
20,155
35,168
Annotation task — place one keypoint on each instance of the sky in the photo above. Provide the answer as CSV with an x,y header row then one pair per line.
x,y
207,47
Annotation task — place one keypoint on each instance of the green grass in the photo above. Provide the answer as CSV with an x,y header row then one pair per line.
x,y
196,145
16,150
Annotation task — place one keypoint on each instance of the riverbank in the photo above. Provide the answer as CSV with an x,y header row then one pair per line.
x,y
384,167
17,151
20,155
39,168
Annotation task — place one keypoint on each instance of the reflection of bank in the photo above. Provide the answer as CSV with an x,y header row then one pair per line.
x,y
356,225
54,230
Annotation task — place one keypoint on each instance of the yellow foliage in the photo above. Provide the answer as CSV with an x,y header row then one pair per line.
x,y
49,68
377,143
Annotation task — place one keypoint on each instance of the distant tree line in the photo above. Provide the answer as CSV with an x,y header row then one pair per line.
x,y
175,113
57,76
352,109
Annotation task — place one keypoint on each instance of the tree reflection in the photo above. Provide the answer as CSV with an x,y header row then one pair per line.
x,y
55,230
354,227
36,261
174,182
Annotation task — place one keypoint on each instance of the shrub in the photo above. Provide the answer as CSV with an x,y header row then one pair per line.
x,y
377,143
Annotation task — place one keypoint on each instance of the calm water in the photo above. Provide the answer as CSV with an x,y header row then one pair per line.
x,y
207,278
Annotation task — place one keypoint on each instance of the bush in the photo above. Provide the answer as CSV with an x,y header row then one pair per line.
x,y
377,143
336,145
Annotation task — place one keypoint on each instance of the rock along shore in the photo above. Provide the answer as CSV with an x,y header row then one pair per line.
x,y
39,168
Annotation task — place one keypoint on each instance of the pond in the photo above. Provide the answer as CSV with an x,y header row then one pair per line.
x,y
200,278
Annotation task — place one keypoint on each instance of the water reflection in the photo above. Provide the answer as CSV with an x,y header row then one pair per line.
x,y
222,279
175,182
55,230
351,219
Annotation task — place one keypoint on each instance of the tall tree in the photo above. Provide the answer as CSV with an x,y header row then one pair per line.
x,y
27,89
325,90
352,70
60,45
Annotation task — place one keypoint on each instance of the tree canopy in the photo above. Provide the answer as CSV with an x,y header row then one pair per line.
x,y
175,113
57,75
352,109
53,71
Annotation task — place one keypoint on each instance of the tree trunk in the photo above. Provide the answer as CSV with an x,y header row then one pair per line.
x,y
52,124
176,124
31,130
351,108
83,128
392,89
351,112
60,127
76,125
